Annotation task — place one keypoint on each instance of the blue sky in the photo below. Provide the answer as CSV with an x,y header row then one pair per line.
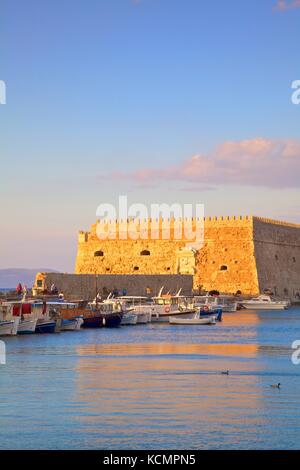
x,y
102,91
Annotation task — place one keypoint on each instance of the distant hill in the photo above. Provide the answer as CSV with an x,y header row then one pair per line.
x,y
12,276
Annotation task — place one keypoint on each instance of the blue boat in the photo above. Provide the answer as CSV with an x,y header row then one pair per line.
x,y
103,314
45,326
208,311
100,320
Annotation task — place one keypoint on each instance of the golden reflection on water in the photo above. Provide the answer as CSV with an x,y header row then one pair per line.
x,y
160,349
144,391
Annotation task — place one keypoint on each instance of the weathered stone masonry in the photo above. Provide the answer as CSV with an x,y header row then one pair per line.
x,y
249,254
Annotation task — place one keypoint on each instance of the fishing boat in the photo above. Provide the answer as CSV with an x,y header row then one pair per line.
x,y
8,322
165,306
73,324
27,323
103,314
27,326
265,302
196,320
7,328
140,306
45,326
226,302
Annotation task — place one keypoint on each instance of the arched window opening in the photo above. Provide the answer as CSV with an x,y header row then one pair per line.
x,y
223,267
136,268
145,253
99,253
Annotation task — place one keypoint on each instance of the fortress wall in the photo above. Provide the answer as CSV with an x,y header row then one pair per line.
x,y
277,252
84,285
124,257
228,243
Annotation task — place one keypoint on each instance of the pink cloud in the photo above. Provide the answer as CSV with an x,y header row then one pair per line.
x,y
256,162
283,5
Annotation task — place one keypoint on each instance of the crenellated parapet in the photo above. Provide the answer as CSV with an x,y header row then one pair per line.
x,y
277,222
159,228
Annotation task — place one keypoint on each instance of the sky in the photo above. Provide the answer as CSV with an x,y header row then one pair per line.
x,y
160,100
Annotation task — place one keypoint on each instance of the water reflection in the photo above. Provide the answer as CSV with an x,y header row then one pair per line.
x,y
164,394
161,349
155,386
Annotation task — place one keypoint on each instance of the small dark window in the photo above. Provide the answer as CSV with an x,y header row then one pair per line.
x,y
294,259
223,268
276,257
39,283
168,269
99,253
107,269
136,268
236,262
145,253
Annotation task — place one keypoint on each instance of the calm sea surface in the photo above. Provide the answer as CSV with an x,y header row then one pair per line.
x,y
155,386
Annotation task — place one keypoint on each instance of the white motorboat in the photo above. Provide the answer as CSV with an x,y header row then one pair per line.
x,y
72,324
129,318
196,320
264,302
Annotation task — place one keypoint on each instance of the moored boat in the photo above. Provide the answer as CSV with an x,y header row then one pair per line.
x,y
103,314
8,322
45,326
27,326
165,306
7,328
265,302
196,320
140,306
129,318
209,310
226,302
72,324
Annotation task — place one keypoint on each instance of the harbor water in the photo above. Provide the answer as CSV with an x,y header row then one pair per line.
x,y
155,386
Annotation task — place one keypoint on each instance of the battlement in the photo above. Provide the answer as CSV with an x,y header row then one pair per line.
x,y
161,226
277,222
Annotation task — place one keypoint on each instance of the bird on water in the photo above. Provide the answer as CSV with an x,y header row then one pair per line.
x,y
276,385
225,372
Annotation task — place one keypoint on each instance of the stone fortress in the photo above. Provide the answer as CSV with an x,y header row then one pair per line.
x,y
244,254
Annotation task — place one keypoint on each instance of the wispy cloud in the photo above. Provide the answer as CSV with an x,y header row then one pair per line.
x,y
283,5
256,162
